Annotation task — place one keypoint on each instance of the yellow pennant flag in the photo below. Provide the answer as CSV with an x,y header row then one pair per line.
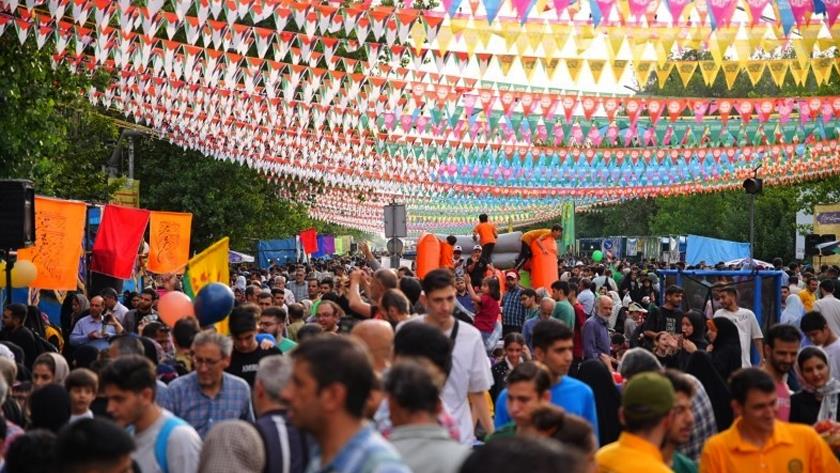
x,y
616,39
643,72
618,67
730,72
418,36
778,70
470,40
169,242
549,46
60,226
444,37
551,66
505,61
755,69
821,68
662,74
709,70
574,67
799,72
529,63
484,31
686,70
522,44
597,68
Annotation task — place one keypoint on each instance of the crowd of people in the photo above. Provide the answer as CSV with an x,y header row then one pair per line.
x,y
344,366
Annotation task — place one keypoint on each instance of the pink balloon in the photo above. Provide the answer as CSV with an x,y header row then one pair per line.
x,y
174,306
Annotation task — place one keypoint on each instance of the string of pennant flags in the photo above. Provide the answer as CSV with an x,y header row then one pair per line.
x,y
350,107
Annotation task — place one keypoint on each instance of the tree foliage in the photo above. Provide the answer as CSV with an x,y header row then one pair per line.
x,y
49,132
225,198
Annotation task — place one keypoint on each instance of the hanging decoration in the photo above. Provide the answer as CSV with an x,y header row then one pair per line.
x,y
452,110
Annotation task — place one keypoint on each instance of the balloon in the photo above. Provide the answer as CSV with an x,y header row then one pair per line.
x,y
597,256
213,303
174,306
23,273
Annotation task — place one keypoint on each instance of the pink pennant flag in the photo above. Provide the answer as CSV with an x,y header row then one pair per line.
x,y
756,8
800,8
676,7
723,10
832,9
560,6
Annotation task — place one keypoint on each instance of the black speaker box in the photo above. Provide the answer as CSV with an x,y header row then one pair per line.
x,y
17,214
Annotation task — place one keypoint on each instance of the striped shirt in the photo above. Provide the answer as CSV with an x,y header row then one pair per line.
x,y
286,447
187,401
365,452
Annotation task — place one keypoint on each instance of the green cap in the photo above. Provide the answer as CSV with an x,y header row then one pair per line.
x,y
647,396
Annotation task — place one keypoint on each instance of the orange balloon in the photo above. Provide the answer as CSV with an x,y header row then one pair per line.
x,y
174,306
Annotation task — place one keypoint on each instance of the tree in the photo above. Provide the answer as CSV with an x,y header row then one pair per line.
x,y
225,198
49,132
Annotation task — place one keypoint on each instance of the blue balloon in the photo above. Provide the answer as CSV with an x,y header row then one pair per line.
x,y
213,303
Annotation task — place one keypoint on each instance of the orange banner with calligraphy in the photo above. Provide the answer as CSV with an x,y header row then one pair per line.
x,y
59,228
169,242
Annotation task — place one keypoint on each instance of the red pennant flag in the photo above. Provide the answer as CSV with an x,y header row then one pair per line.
x,y
118,240
309,240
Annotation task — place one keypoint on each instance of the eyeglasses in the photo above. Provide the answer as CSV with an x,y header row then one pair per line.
x,y
205,362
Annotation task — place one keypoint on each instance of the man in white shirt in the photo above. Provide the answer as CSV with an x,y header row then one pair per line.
x,y
829,306
470,377
816,328
165,443
745,320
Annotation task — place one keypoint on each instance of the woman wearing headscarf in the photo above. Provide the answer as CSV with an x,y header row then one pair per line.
x,y
79,307
794,310
700,366
819,398
725,348
607,398
232,446
49,368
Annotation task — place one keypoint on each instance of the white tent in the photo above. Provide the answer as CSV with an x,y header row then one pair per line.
x,y
237,257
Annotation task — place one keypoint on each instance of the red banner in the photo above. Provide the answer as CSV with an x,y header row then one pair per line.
x,y
118,240
309,240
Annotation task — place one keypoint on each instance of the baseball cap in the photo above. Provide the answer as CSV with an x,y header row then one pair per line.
x,y
647,396
477,248
636,307
512,274
458,248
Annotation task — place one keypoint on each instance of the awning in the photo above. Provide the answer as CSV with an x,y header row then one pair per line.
x,y
235,257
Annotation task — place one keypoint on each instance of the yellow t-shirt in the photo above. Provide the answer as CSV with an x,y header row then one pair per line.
x,y
529,237
630,454
792,448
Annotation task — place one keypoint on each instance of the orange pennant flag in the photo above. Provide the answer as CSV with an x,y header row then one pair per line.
x,y
169,242
59,228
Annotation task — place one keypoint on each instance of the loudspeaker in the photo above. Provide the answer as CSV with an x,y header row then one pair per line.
x,y
17,214
828,238
811,242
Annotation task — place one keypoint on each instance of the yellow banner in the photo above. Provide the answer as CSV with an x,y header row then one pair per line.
x,y
211,265
709,70
169,242
59,229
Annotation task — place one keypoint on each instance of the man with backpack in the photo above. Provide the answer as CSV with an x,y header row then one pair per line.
x,y
165,443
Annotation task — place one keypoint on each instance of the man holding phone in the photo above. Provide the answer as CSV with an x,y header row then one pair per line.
x,y
95,329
